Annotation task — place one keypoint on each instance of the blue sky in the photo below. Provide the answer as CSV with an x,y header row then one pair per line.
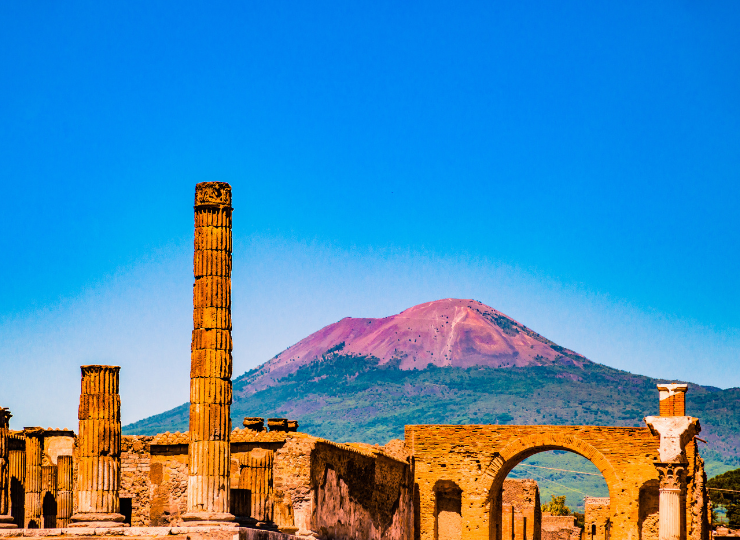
x,y
573,165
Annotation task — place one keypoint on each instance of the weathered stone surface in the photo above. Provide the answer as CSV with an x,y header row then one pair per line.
x,y
209,458
596,519
65,487
672,399
523,497
559,527
34,437
478,458
6,518
99,449
17,463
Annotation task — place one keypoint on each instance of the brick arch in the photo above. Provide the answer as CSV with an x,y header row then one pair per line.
x,y
521,448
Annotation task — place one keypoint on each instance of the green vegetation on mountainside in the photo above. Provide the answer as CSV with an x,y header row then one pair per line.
x,y
351,398
724,491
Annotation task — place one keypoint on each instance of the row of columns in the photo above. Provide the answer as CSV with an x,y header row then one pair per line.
x,y
99,439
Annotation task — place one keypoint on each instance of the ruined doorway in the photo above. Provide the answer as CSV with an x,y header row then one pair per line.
x,y
448,511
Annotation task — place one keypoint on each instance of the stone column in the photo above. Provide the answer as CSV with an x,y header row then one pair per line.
x,y
672,485
675,432
65,485
17,446
49,496
32,483
99,449
6,519
210,368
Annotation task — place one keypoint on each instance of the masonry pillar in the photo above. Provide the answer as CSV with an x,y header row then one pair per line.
x,y
672,399
99,449
17,462
65,485
6,519
49,496
675,433
210,368
32,483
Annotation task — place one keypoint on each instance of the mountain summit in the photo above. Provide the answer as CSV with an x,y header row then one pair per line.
x,y
451,362
443,333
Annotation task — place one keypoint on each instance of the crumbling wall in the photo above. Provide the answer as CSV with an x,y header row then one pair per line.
x,y
523,497
478,458
697,518
559,527
136,462
596,518
168,476
338,491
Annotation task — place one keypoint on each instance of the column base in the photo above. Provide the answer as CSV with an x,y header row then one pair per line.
x,y
97,521
199,519
6,522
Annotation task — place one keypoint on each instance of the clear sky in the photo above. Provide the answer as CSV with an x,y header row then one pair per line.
x,y
573,164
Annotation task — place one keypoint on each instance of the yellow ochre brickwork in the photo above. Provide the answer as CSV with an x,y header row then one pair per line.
x,y
477,458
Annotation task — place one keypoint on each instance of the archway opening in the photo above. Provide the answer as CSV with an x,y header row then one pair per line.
x,y
550,493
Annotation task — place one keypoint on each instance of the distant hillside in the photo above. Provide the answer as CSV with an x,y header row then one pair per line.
x,y
495,371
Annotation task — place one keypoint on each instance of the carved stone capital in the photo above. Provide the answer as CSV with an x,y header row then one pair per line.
x,y
675,432
212,194
4,417
672,476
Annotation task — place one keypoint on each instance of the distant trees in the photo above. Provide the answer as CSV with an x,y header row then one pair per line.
x,y
556,506
724,490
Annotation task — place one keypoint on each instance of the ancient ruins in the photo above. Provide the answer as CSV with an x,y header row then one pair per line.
x,y
268,480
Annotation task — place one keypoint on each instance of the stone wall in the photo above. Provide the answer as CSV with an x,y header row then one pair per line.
x,y
559,527
342,491
478,458
596,520
521,510
136,462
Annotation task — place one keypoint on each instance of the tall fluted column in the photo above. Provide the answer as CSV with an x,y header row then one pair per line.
x,y
17,459
49,495
32,483
6,520
99,449
65,485
210,368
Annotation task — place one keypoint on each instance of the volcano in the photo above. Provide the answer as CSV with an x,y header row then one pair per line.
x,y
443,333
451,362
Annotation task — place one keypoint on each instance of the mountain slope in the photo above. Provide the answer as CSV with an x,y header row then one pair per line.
x,y
362,387
444,333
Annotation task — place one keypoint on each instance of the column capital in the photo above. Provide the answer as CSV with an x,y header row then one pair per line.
x,y
675,432
212,194
671,475
5,417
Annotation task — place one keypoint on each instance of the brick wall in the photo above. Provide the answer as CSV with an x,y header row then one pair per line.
x,y
478,458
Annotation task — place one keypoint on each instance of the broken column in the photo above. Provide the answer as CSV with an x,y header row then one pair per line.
x,y
675,433
99,449
17,462
210,368
32,484
6,519
65,485
49,495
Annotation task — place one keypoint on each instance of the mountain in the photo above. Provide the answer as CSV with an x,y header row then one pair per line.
x,y
451,361
445,333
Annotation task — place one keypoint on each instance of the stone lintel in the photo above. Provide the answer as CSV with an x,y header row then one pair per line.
x,y
675,432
